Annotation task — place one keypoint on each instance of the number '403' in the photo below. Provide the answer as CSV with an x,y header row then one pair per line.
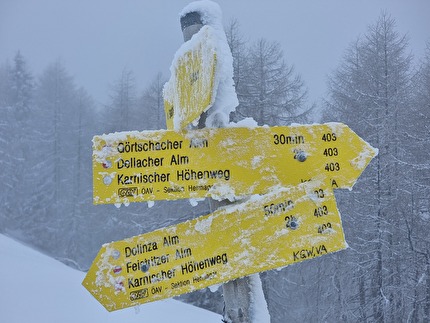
x,y
332,167
330,152
321,211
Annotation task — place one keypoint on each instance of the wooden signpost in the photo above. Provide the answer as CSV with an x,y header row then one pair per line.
x,y
285,174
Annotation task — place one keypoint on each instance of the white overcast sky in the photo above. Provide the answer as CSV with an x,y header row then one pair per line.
x,y
97,39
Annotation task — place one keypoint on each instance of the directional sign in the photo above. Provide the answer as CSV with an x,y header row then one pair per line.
x,y
223,163
286,226
190,91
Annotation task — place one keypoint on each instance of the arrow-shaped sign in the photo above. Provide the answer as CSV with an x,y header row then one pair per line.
x,y
223,163
287,225
190,90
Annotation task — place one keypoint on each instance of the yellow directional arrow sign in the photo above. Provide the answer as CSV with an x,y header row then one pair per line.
x,y
286,226
223,163
190,90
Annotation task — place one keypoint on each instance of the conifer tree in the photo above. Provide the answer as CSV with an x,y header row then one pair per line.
x,y
370,92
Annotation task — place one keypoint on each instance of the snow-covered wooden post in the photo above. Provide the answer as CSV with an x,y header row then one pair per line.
x,y
281,224
243,297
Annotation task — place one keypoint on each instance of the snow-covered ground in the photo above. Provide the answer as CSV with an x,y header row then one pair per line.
x,y
36,288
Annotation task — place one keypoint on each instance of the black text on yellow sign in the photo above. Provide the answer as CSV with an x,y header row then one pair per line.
x,y
223,163
286,226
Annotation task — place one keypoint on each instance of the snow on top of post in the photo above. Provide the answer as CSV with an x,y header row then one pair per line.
x,y
210,12
225,95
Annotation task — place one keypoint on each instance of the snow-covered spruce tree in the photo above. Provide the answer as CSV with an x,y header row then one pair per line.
x,y
119,111
238,48
417,137
21,87
150,112
81,227
54,157
370,92
5,79
418,129
5,125
268,89
16,94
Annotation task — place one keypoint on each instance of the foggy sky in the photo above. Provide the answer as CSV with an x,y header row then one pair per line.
x,y
97,39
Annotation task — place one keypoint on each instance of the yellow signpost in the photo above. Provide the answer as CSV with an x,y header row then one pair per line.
x,y
294,168
190,91
223,163
285,226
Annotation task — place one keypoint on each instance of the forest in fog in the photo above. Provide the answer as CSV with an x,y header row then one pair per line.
x,y
379,89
